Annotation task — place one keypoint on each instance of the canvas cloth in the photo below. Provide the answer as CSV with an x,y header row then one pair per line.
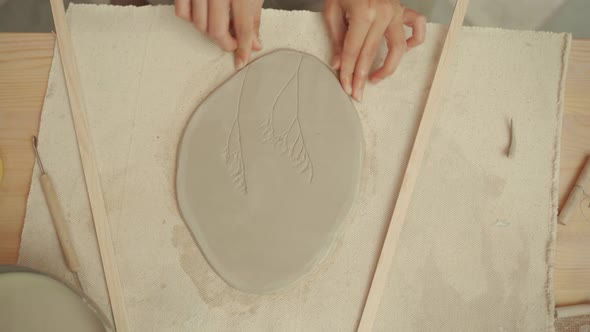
x,y
512,14
475,253
573,324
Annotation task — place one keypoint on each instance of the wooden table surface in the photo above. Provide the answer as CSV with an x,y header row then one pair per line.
x,y
25,60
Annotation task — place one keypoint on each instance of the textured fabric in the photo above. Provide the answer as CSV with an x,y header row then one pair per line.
x,y
313,5
475,252
512,14
573,324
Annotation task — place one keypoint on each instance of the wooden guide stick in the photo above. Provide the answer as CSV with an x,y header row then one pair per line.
x,y
412,171
89,166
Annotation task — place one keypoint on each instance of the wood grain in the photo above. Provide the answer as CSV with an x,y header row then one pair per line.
x,y
402,204
25,60
90,167
577,195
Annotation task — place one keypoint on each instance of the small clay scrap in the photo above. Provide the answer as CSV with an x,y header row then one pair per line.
x,y
268,168
512,144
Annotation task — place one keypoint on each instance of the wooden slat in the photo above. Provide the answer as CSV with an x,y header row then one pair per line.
x,y
412,170
90,167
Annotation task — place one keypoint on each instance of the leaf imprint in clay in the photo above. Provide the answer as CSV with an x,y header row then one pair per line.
x,y
268,168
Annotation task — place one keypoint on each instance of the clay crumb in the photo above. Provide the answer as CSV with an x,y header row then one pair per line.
x,y
512,144
501,223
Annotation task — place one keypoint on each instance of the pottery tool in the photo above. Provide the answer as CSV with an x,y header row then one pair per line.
x,y
58,219
412,170
89,167
572,310
579,195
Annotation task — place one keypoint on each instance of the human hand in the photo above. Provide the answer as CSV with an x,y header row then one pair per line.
x,y
356,29
232,24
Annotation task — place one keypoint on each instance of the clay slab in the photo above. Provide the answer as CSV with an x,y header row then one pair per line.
x,y
268,168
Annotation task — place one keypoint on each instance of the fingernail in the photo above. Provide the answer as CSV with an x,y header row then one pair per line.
x,y
357,93
335,62
347,87
240,63
257,44
375,80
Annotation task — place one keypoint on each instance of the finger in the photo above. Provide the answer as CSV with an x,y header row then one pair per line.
x,y
396,44
257,45
368,53
199,14
334,18
218,24
244,26
353,41
417,22
182,8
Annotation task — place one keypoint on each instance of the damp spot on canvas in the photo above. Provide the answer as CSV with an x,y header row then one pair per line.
x,y
494,185
494,290
214,291
502,223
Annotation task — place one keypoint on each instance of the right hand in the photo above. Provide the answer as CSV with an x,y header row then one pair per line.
x,y
357,28
238,33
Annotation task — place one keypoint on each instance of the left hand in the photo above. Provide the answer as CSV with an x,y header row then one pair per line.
x,y
357,27
217,19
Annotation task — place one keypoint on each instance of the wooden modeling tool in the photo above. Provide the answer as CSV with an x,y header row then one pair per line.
x,y
57,216
439,83
572,311
579,197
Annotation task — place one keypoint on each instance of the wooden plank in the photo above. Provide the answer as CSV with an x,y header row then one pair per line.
x,y
90,167
577,196
412,170
571,279
575,137
25,60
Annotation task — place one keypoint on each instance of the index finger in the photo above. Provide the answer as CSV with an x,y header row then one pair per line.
x,y
243,12
353,42
367,55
